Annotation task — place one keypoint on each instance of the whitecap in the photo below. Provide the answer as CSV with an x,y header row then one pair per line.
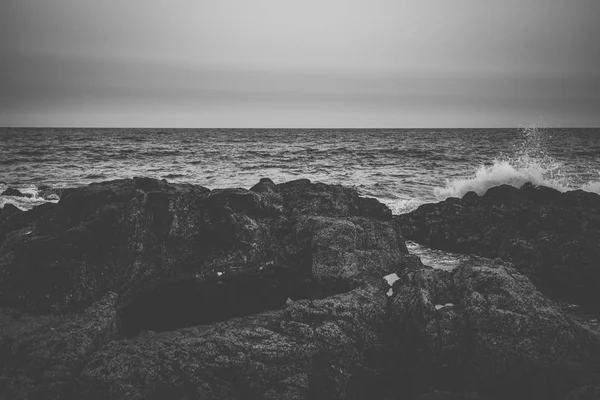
x,y
529,163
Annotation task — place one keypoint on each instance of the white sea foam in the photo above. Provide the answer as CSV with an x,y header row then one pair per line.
x,y
436,258
529,163
499,173
399,206
24,203
592,187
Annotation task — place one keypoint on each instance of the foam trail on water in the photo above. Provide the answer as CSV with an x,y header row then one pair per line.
x,y
530,162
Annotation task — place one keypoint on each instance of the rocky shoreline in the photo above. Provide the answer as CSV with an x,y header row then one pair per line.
x,y
141,289
552,237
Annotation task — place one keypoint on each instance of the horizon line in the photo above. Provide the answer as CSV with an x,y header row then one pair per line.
x,y
298,128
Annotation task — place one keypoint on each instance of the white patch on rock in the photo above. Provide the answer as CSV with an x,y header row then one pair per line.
x,y
391,278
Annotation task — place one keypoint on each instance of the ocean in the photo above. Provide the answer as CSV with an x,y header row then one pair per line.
x,y
403,168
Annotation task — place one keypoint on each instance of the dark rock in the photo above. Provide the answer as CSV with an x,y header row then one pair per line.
x,y
306,198
49,193
373,208
589,392
179,256
484,329
141,289
552,237
148,184
308,349
41,356
471,198
14,192
244,201
8,210
264,186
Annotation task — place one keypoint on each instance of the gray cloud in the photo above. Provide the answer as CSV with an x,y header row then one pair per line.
x,y
281,63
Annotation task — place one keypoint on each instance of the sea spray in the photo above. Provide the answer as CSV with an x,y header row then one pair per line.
x,y
530,161
401,206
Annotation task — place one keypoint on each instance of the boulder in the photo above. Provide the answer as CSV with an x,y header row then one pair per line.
x,y
589,392
316,349
8,210
13,192
50,193
484,330
41,356
304,197
283,283
142,289
552,237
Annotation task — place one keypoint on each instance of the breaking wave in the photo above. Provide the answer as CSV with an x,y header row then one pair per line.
x,y
32,198
530,162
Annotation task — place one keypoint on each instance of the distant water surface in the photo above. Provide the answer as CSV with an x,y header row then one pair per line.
x,y
402,167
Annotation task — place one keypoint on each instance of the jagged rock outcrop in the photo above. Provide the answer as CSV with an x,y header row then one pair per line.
x,y
552,237
319,349
483,330
141,289
177,256
8,210
13,192
41,356
51,193
589,392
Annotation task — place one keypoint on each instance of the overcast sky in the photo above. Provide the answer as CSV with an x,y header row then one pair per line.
x,y
308,63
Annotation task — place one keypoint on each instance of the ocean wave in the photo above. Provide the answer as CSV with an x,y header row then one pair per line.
x,y
30,153
160,153
592,186
172,176
530,163
261,166
24,203
500,173
400,206
31,200
12,161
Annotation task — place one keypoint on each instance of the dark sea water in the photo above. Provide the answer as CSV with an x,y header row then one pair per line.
x,y
402,167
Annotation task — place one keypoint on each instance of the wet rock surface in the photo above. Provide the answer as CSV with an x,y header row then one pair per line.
x,y
141,289
309,349
552,237
41,356
13,192
484,331
172,257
